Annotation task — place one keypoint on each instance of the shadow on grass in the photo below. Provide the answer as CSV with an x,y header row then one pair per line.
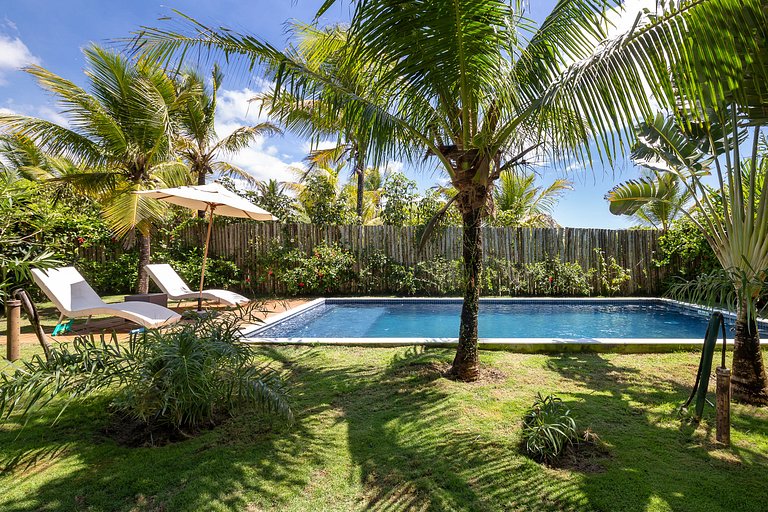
x,y
659,459
386,432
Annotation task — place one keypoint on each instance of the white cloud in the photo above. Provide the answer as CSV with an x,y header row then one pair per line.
x,y
14,54
322,144
235,108
394,166
238,106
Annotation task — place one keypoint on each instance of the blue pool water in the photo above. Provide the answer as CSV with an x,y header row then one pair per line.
x,y
578,319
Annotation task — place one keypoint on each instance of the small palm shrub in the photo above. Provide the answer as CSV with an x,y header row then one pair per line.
x,y
180,379
548,429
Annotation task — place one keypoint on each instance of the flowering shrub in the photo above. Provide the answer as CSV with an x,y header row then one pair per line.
x,y
326,270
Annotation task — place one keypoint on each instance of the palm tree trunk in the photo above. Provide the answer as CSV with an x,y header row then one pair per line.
x,y
749,383
471,201
360,189
360,172
201,174
144,259
466,366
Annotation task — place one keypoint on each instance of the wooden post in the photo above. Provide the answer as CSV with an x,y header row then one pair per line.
x,y
13,332
723,412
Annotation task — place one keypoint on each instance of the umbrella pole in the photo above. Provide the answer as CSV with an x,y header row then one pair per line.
x,y
205,258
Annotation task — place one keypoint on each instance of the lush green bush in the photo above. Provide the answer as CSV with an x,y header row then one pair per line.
x,y
557,278
548,429
610,274
333,269
114,276
685,249
326,270
180,378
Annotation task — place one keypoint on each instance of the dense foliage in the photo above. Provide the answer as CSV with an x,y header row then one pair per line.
x,y
182,378
333,269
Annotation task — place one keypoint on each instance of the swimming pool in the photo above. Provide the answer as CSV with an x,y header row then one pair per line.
x,y
502,322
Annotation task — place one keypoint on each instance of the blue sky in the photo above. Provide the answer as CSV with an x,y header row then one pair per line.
x,y
52,32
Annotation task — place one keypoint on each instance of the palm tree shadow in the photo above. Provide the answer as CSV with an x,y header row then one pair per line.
x,y
406,434
657,453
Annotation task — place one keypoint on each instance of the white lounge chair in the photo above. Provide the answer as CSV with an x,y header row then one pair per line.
x,y
174,286
75,298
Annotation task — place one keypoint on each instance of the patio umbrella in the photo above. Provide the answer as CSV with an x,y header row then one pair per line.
x,y
214,199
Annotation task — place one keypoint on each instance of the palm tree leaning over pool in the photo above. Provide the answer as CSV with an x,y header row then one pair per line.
x,y
468,83
733,218
120,138
197,141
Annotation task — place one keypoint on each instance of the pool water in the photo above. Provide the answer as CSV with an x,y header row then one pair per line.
x,y
499,319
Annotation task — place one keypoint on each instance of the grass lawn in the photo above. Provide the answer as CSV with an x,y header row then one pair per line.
x,y
379,429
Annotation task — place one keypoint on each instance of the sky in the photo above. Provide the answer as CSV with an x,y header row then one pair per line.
x,y
52,33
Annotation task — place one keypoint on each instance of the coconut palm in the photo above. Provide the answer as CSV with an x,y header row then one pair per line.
x,y
519,202
468,83
119,137
273,196
197,141
733,218
325,49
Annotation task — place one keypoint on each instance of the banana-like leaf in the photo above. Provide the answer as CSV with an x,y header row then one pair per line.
x,y
628,197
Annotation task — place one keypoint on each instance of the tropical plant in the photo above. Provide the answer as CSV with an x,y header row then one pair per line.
x,y
119,139
196,139
398,197
321,197
182,378
733,219
20,231
273,196
467,82
548,429
519,202
326,49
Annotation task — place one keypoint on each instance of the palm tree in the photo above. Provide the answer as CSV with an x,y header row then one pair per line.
x,y
325,49
662,146
273,196
197,141
519,202
120,139
466,82
733,219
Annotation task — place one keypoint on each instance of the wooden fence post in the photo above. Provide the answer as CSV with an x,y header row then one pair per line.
x,y
723,407
13,332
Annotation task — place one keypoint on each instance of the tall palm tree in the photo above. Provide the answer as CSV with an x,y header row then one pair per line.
x,y
519,202
197,141
468,83
119,136
733,218
326,49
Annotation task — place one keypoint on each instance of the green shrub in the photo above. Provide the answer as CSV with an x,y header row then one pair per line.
x,y
556,278
548,429
611,275
179,378
439,276
112,277
326,270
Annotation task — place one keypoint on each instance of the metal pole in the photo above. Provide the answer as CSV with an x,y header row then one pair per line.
x,y
723,393
205,257
13,332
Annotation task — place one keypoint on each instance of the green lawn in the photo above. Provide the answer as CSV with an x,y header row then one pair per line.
x,y
379,429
